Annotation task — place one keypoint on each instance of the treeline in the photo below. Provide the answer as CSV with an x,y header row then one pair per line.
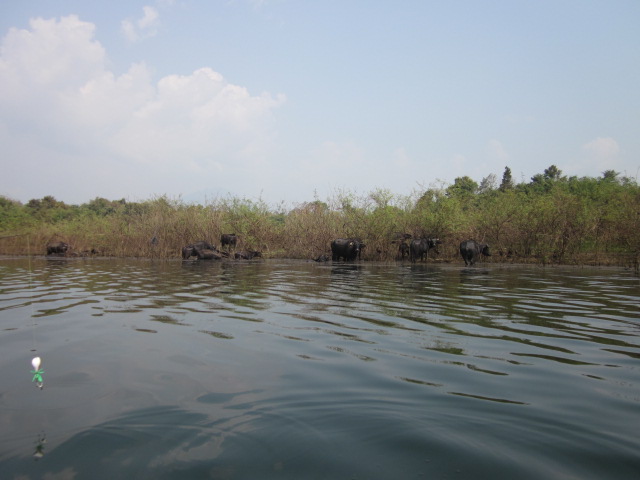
x,y
550,219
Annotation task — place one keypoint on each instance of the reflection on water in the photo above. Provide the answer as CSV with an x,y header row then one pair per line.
x,y
40,444
286,369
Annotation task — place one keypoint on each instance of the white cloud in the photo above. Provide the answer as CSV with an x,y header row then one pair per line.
x,y
497,151
599,154
129,30
150,18
602,149
144,27
60,103
60,54
199,117
258,3
595,157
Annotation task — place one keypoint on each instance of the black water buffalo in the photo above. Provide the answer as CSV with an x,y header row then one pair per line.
x,y
248,255
403,247
419,248
347,248
187,252
229,240
208,254
203,250
321,258
361,246
57,248
471,250
403,250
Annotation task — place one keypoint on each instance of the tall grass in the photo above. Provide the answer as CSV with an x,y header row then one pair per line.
x,y
564,223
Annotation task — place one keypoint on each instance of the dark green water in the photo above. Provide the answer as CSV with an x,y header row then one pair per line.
x,y
285,369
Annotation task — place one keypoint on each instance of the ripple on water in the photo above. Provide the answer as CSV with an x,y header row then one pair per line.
x,y
345,370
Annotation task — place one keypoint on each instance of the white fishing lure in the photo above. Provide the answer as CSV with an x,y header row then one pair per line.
x,y
37,373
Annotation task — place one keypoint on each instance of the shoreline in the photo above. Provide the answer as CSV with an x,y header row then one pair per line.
x,y
605,264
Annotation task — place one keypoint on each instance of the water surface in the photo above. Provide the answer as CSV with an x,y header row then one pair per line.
x,y
292,369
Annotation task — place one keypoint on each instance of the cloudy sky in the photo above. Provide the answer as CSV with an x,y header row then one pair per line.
x,y
292,100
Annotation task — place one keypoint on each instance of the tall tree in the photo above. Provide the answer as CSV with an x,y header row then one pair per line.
x,y
462,186
507,180
488,183
552,173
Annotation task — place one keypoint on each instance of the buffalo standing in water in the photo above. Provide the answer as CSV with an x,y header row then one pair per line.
x,y
57,248
403,247
420,247
229,240
471,250
347,248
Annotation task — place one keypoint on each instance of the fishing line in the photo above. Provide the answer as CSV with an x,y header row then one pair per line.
x,y
30,277
35,361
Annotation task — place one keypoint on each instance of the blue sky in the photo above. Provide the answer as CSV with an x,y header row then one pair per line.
x,y
291,100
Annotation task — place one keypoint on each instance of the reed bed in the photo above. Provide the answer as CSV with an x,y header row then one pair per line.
x,y
569,221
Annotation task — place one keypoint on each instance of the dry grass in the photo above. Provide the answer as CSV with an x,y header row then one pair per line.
x,y
543,229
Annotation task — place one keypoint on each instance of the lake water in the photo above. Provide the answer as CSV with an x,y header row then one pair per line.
x,y
298,370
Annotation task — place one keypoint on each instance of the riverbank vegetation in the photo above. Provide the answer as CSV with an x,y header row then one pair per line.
x,y
550,219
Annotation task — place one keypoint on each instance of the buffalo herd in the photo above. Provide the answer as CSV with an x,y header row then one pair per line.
x,y
63,249
345,249
349,249
204,250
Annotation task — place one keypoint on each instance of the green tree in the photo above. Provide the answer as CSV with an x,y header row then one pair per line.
x,y
48,209
462,187
544,182
488,184
12,214
552,173
103,207
507,180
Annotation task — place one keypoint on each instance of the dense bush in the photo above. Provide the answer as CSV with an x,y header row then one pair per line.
x,y
552,218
